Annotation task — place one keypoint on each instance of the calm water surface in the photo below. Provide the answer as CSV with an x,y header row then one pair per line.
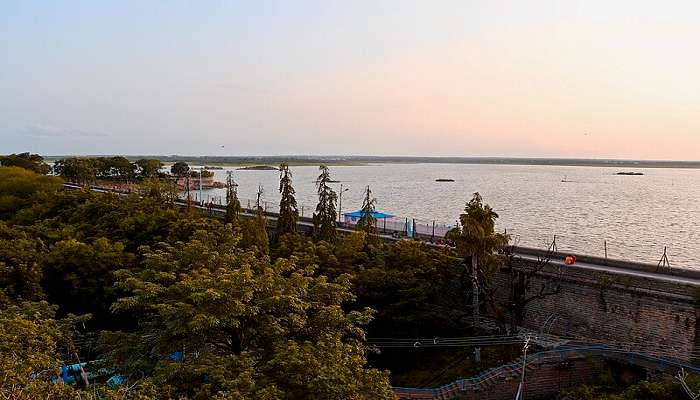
x,y
636,215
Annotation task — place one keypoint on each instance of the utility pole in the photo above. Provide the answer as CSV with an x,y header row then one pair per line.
x,y
475,290
475,301
521,387
187,187
340,202
201,198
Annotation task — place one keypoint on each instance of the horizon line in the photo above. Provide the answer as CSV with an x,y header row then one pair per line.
x,y
356,156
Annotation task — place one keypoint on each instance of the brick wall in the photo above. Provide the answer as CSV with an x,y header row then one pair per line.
x,y
654,316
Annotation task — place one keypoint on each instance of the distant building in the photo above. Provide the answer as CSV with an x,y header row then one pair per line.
x,y
208,182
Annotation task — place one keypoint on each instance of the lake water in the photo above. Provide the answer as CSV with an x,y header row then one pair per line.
x,y
636,215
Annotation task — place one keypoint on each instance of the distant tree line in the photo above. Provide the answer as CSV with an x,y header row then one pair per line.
x,y
87,170
32,162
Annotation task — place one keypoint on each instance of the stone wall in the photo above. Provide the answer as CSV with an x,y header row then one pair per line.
x,y
644,314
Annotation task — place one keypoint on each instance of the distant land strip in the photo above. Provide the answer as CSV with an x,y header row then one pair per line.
x,y
297,160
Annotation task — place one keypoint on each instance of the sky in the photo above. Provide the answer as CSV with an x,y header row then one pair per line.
x,y
579,79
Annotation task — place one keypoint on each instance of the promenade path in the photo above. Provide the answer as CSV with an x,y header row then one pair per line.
x,y
661,276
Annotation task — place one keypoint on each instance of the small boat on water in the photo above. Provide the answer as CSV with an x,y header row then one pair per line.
x,y
257,168
630,173
444,180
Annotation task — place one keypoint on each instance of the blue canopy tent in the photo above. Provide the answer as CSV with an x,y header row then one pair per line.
x,y
355,216
374,214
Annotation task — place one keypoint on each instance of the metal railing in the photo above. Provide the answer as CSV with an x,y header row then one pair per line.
x,y
403,226
511,370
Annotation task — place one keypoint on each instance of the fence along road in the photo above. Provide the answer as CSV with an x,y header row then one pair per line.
x,y
673,275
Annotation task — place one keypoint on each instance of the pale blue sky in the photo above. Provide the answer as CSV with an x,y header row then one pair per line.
x,y
490,78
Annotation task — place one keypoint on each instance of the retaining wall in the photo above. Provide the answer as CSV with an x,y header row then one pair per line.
x,y
644,314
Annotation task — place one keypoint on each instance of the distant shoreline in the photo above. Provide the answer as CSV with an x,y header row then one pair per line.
x,y
364,160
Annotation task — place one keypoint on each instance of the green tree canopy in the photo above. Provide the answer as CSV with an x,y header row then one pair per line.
x,y
245,328
76,169
32,162
180,169
30,341
148,168
325,215
20,188
79,276
114,168
476,235
160,189
233,205
254,230
21,257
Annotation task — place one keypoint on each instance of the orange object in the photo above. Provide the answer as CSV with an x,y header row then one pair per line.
x,y
570,260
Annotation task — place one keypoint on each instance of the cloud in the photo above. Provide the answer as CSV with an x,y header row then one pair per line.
x,y
41,130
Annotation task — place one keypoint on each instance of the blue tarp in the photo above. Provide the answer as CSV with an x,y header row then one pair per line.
x,y
375,214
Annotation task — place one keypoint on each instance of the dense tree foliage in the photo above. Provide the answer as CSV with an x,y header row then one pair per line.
x,y
164,190
21,260
148,167
160,281
79,275
19,187
325,216
254,230
115,168
233,205
184,306
29,338
32,162
76,170
87,170
235,317
667,388
180,169
476,236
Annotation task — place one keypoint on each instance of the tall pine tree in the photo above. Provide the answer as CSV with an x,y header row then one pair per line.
x,y
325,215
233,205
289,215
254,232
367,220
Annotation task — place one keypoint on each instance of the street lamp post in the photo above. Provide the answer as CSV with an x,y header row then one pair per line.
x,y
340,202
201,198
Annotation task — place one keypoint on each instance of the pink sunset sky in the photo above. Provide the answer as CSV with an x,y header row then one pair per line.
x,y
456,78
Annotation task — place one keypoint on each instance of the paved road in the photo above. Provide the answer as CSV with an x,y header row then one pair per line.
x,y
618,270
